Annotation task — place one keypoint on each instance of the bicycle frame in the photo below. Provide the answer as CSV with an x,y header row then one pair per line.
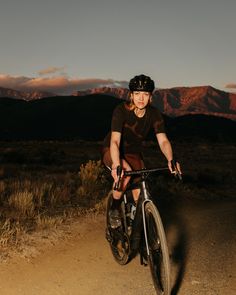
x,y
153,241
145,195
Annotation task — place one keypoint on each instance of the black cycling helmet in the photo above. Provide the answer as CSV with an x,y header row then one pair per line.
x,y
141,83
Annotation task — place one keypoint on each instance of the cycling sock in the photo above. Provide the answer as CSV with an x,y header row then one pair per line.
x,y
115,204
137,228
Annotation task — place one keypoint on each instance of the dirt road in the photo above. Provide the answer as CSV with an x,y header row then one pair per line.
x,y
202,242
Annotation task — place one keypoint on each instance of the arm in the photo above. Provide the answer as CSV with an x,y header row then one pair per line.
x,y
165,146
115,152
166,149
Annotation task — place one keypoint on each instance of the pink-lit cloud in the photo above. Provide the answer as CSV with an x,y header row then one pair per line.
x,y
12,82
51,70
57,84
230,85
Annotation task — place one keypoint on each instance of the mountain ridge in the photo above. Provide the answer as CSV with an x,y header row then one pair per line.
x,y
89,118
174,102
24,95
179,101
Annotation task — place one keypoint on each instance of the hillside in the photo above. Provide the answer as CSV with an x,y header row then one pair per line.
x,y
11,93
206,100
174,102
88,117
179,101
56,117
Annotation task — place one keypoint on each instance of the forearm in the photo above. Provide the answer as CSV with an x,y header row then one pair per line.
x,y
166,149
115,154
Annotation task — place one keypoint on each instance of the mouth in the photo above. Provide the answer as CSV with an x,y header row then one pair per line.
x,y
140,104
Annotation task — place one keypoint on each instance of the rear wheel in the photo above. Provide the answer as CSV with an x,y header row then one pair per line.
x,y
159,256
117,237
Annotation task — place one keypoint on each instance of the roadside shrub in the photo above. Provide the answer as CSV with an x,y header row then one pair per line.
x,y
23,203
10,231
93,182
47,222
30,203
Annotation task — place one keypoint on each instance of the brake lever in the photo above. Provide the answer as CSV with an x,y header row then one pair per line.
x,y
118,172
174,167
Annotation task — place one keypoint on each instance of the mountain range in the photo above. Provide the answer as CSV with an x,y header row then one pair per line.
x,y
89,117
179,101
174,102
11,93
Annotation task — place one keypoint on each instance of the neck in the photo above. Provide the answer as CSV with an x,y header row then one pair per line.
x,y
139,113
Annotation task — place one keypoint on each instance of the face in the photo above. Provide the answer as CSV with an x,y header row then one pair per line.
x,y
141,99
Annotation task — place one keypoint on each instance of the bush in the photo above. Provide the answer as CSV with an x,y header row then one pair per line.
x,y
23,203
93,182
29,203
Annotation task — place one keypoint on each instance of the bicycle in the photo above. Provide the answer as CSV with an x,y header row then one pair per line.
x,y
152,246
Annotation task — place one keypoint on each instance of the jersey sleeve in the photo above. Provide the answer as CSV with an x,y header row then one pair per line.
x,y
118,119
158,122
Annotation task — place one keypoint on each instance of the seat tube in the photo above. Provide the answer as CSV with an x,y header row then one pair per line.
x,y
144,190
146,199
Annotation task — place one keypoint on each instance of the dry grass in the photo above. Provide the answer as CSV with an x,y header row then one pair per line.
x,y
23,203
42,203
92,181
44,184
10,232
48,222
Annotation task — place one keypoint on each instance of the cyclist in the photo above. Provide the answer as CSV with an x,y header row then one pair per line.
x,y
131,122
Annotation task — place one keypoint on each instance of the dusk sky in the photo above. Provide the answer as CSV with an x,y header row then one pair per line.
x,y
62,46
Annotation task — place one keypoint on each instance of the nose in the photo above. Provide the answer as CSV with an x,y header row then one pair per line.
x,y
141,97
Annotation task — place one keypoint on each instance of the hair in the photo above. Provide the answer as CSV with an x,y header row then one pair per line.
x,y
130,104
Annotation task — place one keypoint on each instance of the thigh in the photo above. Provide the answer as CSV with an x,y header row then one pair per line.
x,y
135,161
106,158
128,162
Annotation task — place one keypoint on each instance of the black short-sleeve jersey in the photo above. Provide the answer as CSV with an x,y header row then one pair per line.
x,y
134,129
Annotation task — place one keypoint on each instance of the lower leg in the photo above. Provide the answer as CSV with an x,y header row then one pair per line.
x,y
116,199
136,193
137,228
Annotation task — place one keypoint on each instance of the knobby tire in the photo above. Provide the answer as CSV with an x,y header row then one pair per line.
x,y
159,257
118,239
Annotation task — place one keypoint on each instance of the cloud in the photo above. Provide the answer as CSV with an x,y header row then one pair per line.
x,y
230,85
58,84
50,70
12,82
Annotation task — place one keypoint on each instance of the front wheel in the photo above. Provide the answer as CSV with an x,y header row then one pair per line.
x,y
117,237
158,252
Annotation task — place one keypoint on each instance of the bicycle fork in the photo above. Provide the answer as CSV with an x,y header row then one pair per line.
x,y
145,201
